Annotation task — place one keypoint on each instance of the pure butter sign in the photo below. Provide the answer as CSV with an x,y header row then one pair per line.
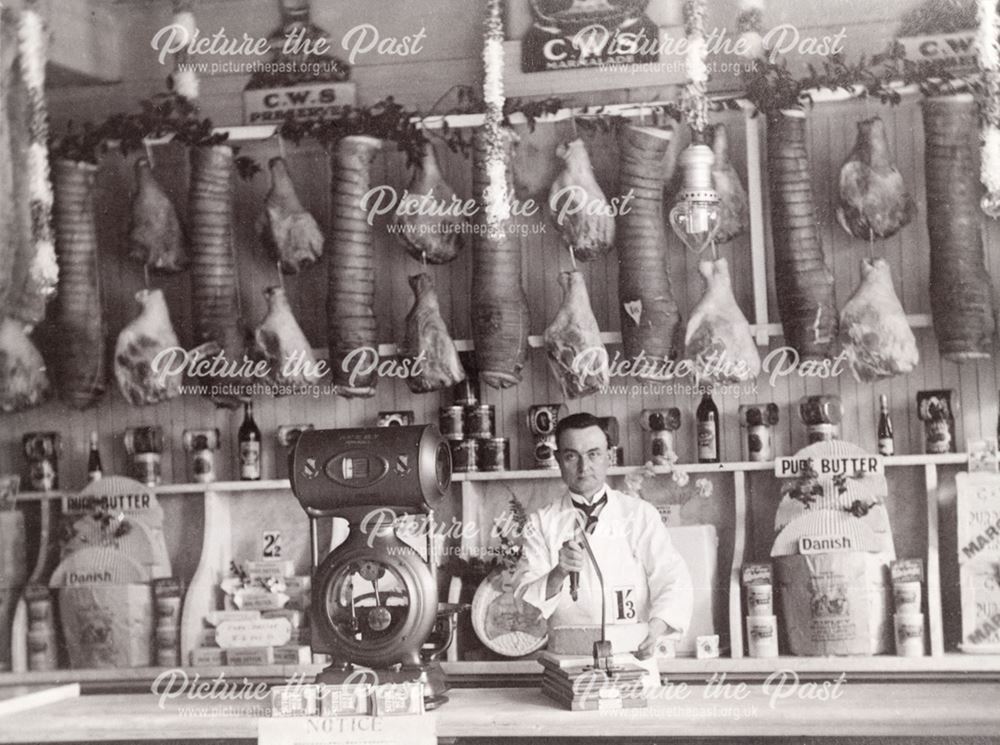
x,y
790,467
308,102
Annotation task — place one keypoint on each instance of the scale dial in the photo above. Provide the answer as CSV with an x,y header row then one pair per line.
x,y
373,605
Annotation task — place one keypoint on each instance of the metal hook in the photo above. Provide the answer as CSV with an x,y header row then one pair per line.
x,y
572,257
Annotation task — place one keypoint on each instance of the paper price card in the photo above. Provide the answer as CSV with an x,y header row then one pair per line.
x,y
413,730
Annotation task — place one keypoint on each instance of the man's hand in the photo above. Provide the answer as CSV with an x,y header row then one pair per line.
x,y
657,628
570,560
571,557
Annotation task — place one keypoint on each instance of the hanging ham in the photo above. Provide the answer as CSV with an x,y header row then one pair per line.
x,y
350,298
874,202
215,307
427,340
961,291
288,229
29,269
803,281
578,206
155,235
719,341
577,357
500,317
148,357
23,380
76,348
874,331
426,233
734,214
650,318
279,341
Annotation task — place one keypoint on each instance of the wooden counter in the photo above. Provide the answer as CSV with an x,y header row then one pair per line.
x,y
861,709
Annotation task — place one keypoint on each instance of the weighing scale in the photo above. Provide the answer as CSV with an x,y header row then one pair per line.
x,y
374,596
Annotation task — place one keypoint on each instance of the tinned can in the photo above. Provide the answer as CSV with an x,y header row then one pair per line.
x,y
203,466
479,421
494,454
545,452
146,468
394,419
451,422
463,456
42,451
760,446
822,432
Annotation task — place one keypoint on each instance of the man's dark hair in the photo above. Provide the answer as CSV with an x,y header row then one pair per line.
x,y
581,420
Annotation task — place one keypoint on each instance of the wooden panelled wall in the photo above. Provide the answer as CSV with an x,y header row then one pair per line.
x,y
831,133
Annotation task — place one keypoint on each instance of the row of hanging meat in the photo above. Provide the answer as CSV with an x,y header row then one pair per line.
x,y
872,328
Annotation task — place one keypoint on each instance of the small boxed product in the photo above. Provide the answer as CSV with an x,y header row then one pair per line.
x,y
299,654
207,657
396,699
250,656
297,700
345,700
215,617
270,569
295,617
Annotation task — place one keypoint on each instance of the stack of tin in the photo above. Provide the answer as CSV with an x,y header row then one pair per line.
x,y
470,428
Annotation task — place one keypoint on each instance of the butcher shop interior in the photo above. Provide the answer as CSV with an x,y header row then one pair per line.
x,y
499,370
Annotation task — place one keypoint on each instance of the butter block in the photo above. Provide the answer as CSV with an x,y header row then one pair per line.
x,y
273,632
397,699
207,657
215,617
252,656
299,654
295,700
270,569
295,617
345,700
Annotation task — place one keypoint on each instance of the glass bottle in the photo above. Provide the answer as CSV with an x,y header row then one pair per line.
x,y
707,417
94,469
249,437
886,446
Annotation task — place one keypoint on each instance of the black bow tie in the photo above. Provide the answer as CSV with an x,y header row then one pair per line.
x,y
588,511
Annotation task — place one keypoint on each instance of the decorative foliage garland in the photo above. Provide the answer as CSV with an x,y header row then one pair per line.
x,y
496,198
988,46
749,25
185,79
695,98
44,271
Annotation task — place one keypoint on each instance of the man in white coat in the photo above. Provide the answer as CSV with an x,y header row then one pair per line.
x,y
645,579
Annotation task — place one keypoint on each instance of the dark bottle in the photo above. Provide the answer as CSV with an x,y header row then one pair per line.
x,y
94,469
708,430
886,446
249,446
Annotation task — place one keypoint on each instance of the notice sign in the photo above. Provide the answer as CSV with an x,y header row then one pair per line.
x,y
308,102
585,33
413,730
956,51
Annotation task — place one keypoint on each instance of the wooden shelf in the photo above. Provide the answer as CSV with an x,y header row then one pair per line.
x,y
742,467
228,487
